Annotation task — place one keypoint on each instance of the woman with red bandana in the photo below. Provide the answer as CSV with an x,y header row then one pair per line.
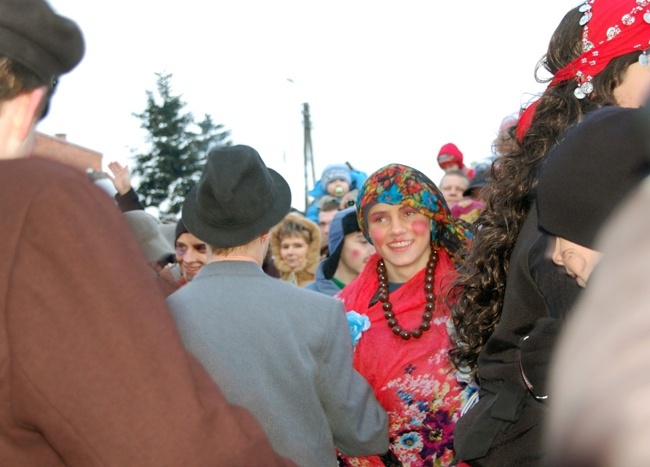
x,y
507,282
401,297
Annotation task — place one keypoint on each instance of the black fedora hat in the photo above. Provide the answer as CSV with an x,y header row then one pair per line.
x,y
237,198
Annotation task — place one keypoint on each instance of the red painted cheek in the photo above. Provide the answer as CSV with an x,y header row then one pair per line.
x,y
355,253
378,236
421,227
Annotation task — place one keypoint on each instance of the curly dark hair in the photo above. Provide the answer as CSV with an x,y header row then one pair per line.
x,y
480,287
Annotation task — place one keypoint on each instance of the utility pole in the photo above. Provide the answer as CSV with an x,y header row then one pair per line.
x,y
308,153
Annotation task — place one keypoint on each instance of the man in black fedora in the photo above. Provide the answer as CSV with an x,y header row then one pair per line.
x,y
92,370
282,352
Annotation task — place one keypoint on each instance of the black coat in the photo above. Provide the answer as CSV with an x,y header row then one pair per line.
x,y
536,289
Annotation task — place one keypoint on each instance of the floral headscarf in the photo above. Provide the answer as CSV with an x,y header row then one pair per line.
x,y
400,184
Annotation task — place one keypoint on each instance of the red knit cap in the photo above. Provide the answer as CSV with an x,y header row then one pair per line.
x,y
450,154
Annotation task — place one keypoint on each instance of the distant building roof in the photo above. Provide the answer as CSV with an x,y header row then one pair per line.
x,y
58,148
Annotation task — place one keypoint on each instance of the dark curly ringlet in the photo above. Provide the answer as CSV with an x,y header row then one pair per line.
x,y
480,287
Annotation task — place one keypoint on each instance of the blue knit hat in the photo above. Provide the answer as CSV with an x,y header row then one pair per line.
x,y
335,172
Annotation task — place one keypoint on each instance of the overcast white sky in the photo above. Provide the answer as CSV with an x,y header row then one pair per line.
x,y
386,81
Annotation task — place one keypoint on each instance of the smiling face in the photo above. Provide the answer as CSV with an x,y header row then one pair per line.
x,y
293,250
355,253
579,261
191,255
402,237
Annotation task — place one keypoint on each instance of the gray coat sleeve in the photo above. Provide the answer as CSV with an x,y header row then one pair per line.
x,y
359,424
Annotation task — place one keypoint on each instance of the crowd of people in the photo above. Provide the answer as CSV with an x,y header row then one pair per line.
x,y
490,319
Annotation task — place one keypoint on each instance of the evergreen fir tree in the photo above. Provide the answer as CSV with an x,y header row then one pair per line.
x,y
178,148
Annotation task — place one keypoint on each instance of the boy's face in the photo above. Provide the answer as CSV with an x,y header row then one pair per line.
x,y
452,188
579,261
338,188
356,251
324,222
191,255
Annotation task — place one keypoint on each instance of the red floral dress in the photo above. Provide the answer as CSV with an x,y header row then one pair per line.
x,y
413,380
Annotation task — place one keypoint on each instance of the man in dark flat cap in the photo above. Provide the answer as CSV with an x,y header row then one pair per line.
x,y
283,352
92,369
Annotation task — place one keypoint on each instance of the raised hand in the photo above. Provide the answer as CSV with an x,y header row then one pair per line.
x,y
121,177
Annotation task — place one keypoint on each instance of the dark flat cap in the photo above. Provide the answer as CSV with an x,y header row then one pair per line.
x,y
32,34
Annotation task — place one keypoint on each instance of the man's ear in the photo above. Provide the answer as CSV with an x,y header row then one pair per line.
x,y
29,106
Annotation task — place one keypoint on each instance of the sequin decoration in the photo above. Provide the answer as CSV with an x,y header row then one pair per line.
x,y
627,20
613,32
616,29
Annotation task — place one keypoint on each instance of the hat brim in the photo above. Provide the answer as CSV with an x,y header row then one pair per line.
x,y
480,180
169,232
157,249
229,235
468,192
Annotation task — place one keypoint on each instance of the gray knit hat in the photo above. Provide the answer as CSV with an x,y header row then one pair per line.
x,y
146,229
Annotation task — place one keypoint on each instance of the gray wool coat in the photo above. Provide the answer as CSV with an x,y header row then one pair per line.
x,y
285,354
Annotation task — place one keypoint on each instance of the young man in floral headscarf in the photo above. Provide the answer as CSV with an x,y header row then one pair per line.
x,y
402,294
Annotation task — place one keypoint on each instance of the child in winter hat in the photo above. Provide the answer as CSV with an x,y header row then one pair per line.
x,y
337,180
450,157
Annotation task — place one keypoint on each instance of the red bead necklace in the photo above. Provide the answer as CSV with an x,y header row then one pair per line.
x,y
427,316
